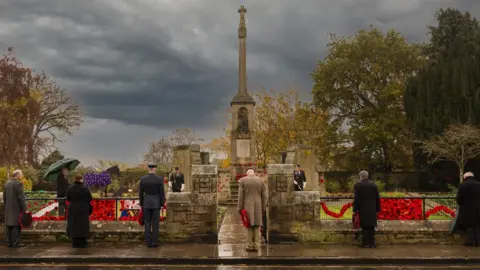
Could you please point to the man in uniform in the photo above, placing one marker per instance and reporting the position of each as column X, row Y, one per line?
column 152, row 198
column 176, row 181
column 299, row 179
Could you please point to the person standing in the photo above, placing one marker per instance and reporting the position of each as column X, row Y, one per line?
column 252, row 196
column 299, row 178
column 62, row 186
column 79, row 211
column 366, row 203
column 152, row 198
column 468, row 199
column 14, row 203
column 177, row 181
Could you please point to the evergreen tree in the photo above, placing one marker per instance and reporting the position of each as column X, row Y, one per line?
column 447, row 90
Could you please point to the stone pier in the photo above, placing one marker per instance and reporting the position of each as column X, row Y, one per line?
column 192, row 215
column 185, row 156
column 288, row 209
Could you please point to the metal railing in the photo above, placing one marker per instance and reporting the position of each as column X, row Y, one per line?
column 394, row 208
column 108, row 209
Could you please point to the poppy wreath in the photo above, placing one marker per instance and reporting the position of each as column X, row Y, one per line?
column 135, row 217
column 391, row 209
column 440, row 208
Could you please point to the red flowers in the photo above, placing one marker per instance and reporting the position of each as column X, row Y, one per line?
column 396, row 209
column 344, row 209
column 439, row 208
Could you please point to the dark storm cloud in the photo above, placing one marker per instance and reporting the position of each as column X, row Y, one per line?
column 174, row 63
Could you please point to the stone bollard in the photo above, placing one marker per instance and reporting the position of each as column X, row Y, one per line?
column 192, row 216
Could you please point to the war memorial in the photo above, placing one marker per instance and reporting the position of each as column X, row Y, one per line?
column 201, row 225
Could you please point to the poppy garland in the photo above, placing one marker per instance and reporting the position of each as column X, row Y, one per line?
column 103, row 210
column 396, row 209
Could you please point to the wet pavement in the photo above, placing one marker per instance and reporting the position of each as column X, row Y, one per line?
column 236, row 251
column 232, row 230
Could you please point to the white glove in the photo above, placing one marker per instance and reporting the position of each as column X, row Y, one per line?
column 169, row 184
column 183, row 185
column 295, row 182
column 304, row 184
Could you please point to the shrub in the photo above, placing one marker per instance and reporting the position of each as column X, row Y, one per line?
column 27, row 184
column 332, row 186
column 380, row 185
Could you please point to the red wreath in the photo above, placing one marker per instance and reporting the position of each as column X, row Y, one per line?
column 244, row 217
column 141, row 220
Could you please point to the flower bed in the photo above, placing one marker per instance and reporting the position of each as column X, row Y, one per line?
column 103, row 210
column 392, row 209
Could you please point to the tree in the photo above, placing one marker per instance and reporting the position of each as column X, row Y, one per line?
column 219, row 146
column 446, row 90
column 52, row 158
column 282, row 120
column 159, row 152
column 458, row 144
column 360, row 85
column 184, row 136
column 16, row 108
column 58, row 115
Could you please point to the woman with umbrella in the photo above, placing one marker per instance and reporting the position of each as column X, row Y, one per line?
column 79, row 210
column 59, row 171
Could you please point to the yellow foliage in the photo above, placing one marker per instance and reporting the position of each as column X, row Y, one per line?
column 27, row 184
column 225, row 163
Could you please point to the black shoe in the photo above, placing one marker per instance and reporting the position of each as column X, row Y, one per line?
column 155, row 246
column 19, row 245
column 469, row 244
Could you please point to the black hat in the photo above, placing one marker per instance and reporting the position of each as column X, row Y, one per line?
column 25, row 220
column 151, row 165
column 176, row 168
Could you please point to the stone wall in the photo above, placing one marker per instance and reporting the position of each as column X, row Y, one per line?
column 223, row 184
column 192, row 216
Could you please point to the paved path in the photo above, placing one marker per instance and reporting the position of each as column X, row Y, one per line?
column 232, row 230
column 231, row 254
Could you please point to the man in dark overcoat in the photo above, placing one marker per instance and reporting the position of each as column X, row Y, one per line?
column 177, row 181
column 468, row 199
column 152, row 198
column 366, row 202
column 79, row 211
column 299, row 179
column 14, row 203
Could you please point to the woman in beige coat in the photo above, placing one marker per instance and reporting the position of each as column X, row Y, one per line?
column 252, row 196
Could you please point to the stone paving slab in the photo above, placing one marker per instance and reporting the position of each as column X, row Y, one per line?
column 230, row 254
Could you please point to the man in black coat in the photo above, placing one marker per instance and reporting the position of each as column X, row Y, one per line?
column 152, row 198
column 366, row 202
column 177, row 181
column 468, row 199
column 79, row 211
column 299, row 178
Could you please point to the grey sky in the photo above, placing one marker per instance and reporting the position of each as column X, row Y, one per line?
column 142, row 68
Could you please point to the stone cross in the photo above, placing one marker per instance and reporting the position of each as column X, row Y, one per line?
column 242, row 29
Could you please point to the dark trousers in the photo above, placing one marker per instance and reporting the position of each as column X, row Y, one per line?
column 473, row 235
column 368, row 236
column 13, row 235
column 78, row 242
column 152, row 226
column 298, row 187
column 61, row 207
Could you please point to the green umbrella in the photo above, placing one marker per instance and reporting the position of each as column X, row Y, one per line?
column 55, row 169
